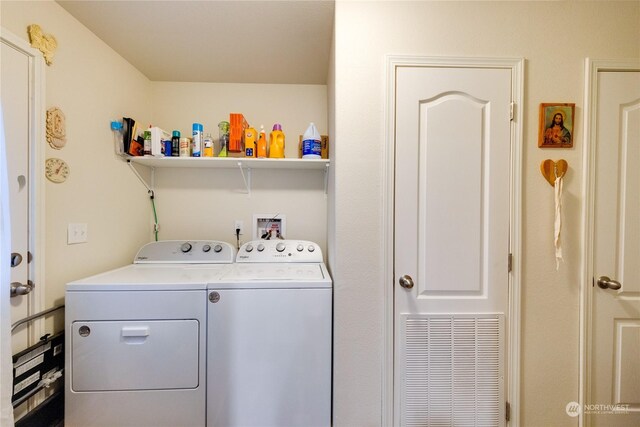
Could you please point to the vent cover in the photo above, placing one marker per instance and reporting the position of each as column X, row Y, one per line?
column 452, row 370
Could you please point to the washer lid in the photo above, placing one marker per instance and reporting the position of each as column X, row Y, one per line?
column 275, row 275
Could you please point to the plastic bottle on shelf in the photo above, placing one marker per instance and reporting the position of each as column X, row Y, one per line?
column 147, row 142
column 276, row 142
column 175, row 144
column 185, row 147
column 311, row 143
column 261, row 149
column 208, row 146
column 223, row 129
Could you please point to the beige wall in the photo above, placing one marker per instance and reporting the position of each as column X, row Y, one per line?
column 92, row 85
column 204, row 203
column 554, row 38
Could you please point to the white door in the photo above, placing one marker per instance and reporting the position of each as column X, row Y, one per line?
column 20, row 94
column 615, row 365
column 452, row 219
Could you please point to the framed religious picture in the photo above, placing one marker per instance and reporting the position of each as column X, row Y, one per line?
column 556, row 125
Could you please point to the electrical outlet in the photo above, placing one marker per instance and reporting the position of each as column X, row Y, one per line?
column 76, row 233
column 239, row 224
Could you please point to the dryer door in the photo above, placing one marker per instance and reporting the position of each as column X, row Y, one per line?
column 134, row 355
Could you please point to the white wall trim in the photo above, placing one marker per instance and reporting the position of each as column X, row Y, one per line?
column 592, row 68
column 516, row 65
column 37, row 114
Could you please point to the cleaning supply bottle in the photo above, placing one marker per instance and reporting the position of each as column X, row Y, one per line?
column 261, row 149
column 208, row 146
column 196, row 148
column 175, row 143
column 223, row 129
column 276, row 142
column 311, row 143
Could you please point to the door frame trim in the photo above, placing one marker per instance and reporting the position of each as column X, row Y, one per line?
column 592, row 68
column 37, row 217
column 516, row 65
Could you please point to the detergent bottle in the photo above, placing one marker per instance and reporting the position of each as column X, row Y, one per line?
column 261, row 149
column 311, row 143
column 276, row 142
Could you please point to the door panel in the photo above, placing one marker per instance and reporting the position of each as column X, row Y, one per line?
column 615, row 375
column 15, row 94
column 452, row 216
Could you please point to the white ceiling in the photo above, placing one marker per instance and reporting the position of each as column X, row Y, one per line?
column 216, row 41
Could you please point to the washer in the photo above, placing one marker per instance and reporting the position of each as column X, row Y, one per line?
column 269, row 338
column 136, row 338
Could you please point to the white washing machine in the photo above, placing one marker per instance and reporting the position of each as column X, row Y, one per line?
column 136, row 338
column 269, row 338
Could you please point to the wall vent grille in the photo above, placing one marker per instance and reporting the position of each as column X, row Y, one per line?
column 452, row 370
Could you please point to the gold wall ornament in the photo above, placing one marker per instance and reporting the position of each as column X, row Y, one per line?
column 56, row 128
column 45, row 43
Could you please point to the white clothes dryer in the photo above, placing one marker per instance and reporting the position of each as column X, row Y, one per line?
column 269, row 335
column 136, row 338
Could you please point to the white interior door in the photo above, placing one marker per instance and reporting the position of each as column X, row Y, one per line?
column 20, row 94
column 615, row 315
column 452, row 219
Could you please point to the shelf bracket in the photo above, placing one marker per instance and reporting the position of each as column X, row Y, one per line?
column 247, row 179
column 326, row 178
column 136, row 173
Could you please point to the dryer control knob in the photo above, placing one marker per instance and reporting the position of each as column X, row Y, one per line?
column 311, row 248
column 186, row 247
column 206, row 248
column 248, row 248
column 260, row 247
column 280, row 247
column 217, row 248
column 300, row 248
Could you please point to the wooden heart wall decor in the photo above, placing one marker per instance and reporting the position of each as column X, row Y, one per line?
column 552, row 170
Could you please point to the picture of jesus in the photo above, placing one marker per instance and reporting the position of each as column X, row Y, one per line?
column 556, row 125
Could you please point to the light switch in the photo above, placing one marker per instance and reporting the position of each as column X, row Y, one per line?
column 77, row 233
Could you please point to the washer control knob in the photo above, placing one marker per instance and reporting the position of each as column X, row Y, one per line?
column 311, row 248
column 217, row 248
column 248, row 248
column 206, row 248
column 300, row 248
column 186, row 247
column 260, row 247
column 280, row 247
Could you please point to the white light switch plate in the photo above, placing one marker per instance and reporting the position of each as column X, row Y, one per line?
column 77, row 233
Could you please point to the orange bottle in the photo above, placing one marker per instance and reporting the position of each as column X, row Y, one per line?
column 261, row 149
column 276, row 145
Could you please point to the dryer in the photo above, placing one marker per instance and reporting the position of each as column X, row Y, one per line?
column 269, row 338
column 136, row 338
